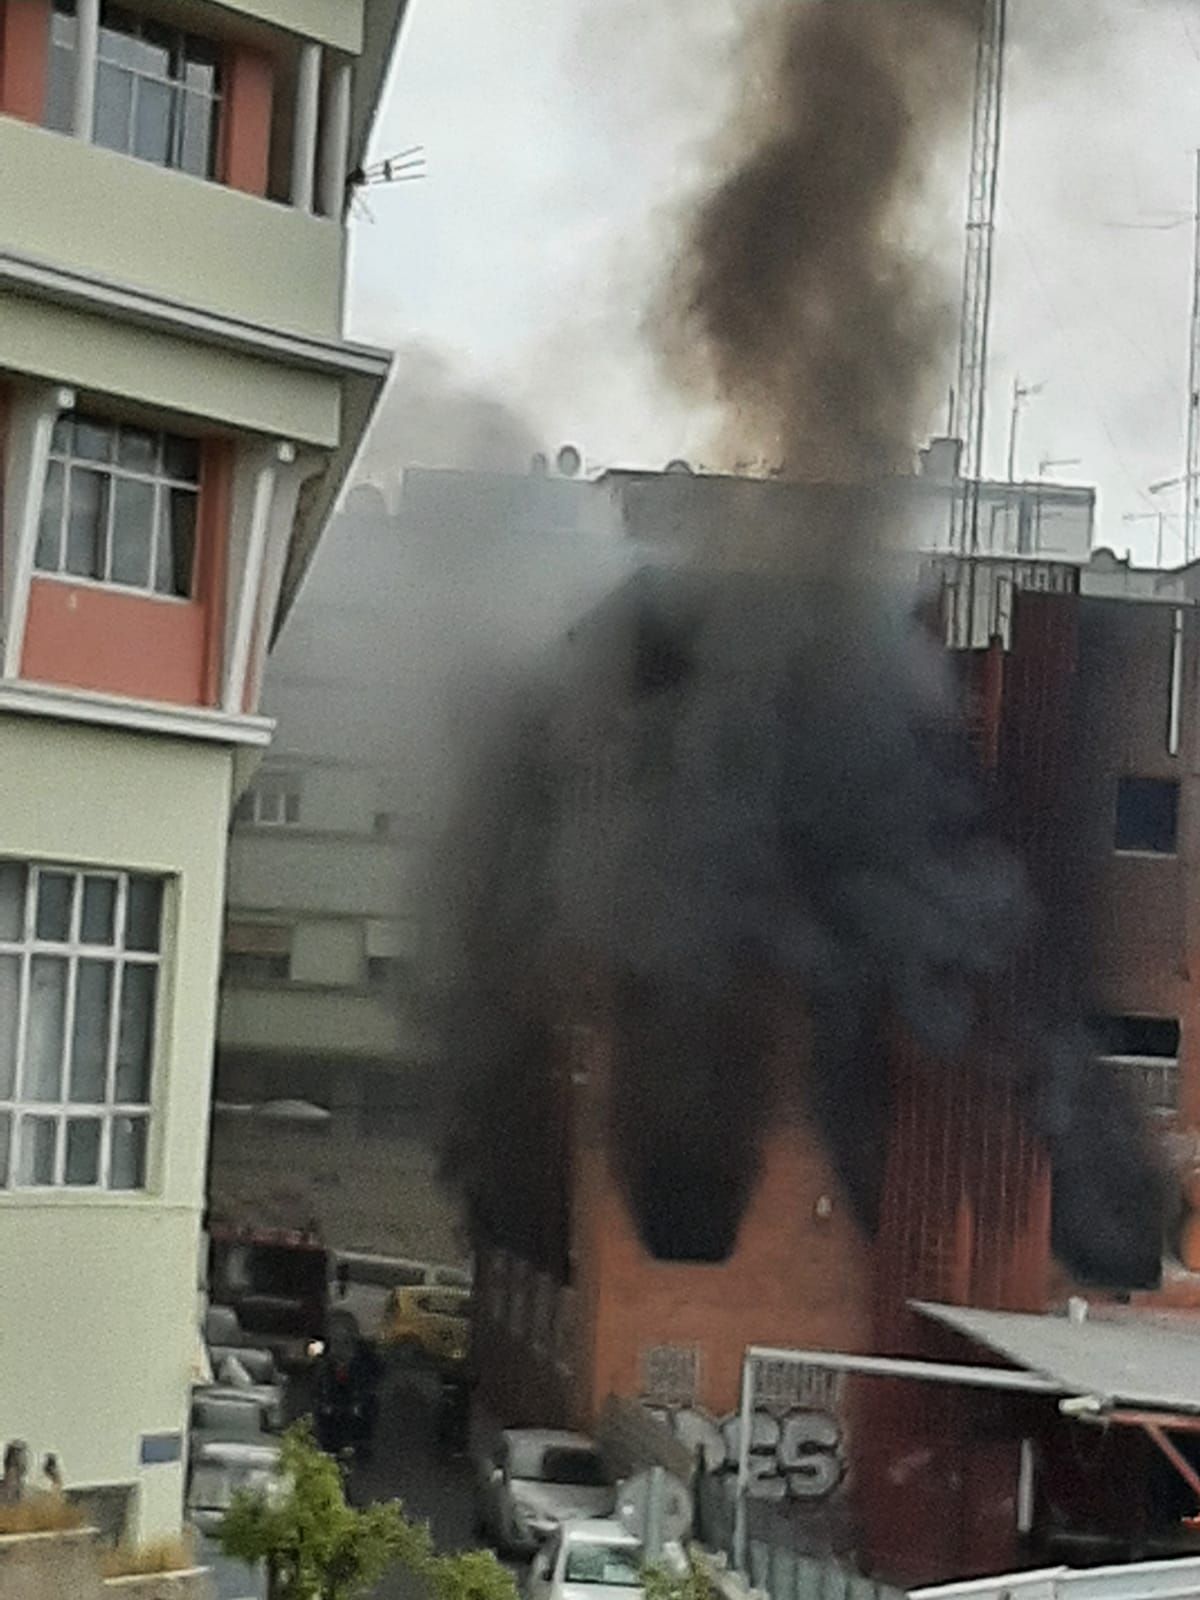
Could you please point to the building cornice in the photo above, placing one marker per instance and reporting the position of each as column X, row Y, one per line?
column 133, row 716
column 22, row 274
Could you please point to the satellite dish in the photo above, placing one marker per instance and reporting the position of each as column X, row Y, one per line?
column 569, row 461
column 633, row 1506
column 679, row 468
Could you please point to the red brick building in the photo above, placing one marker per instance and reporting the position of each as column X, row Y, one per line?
column 1086, row 733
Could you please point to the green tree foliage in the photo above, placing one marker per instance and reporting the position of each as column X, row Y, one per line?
column 694, row 1583
column 316, row 1547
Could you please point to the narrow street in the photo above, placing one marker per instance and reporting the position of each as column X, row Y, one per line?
column 410, row 1465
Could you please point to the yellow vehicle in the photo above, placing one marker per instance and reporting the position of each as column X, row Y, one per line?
column 432, row 1322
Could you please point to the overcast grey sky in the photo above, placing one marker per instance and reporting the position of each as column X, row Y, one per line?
column 560, row 135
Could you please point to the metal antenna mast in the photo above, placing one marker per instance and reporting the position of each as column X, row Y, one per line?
column 1191, row 477
column 970, row 395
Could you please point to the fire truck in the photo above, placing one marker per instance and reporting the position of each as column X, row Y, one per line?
column 278, row 1282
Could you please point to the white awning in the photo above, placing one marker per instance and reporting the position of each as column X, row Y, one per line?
column 1125, row 1360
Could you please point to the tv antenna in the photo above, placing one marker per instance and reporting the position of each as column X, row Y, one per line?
column 406, row 166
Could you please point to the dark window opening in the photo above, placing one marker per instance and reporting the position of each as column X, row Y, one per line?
column 1147, row 815
column 246, row 967
column 1156, row 1037
column 384, row 972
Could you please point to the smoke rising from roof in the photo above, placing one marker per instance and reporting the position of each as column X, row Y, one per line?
column 434, row 416
column 800, row 302
column 742, row 787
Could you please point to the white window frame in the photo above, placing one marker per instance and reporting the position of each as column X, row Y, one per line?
column 282, row 784
column 115, row 472
column 73, row 949
column 65, row 41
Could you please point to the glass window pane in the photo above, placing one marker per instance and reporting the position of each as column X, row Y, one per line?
column 196, row 141
column 5, row 1136
column 83, row 1151
column 93, row 440
column 48, row 556
column 87, row 514
column 114, row 104
column 202, row 65
column 132, row 531
column 119, row 40
column 181, row 458
column 10, row 995
column 35, row 1156
column 137, row 449
column 55, row 892
column 64, row 432
column 60, row 78
column 176, row 542
column 42, row 1076
column 244, row 810
column 157, row 49
column 144, row 913
column 127, row 1167
column 89, row 1042
column 134, row 1049
column 99, row 910
column 153, row 121
column 12, row 899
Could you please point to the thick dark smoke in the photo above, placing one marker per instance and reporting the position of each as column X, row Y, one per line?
column 799, row 298
column 751, row 783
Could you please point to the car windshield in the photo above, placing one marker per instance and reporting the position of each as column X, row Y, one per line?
column 617, row 1564
column 567, row 1464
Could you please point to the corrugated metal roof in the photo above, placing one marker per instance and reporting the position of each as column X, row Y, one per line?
column 1131, row 1362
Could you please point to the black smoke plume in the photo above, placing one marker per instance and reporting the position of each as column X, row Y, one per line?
column 753, row 780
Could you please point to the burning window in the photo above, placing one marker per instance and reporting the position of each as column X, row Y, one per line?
column 1146, row 1050
column 1147, row 815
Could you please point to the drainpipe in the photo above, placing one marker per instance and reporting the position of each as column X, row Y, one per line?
column 87, row 40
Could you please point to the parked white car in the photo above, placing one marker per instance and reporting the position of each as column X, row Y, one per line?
column 534, row 1480
column 219, row 1469
column 594, row 1560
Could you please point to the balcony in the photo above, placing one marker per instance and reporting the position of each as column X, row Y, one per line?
column 292, row 870
column 309, row 1021
column 179, row 238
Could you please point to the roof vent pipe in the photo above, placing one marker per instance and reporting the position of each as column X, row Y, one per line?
column 1077, row 1308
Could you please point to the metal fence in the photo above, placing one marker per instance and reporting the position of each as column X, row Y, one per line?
column 785, row 1576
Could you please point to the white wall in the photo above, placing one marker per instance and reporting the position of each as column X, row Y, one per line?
column 97, row 1310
